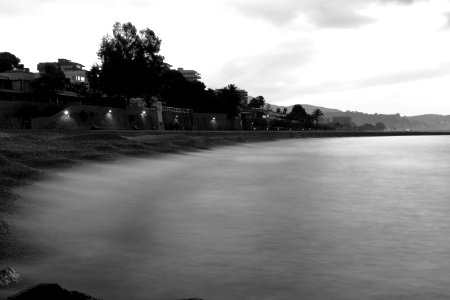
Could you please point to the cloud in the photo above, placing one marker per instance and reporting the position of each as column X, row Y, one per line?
column 334, row 15
column 399, row 1
column 32, row 7
column 407, row 76
column 257, row 72
column 321, row 13
column 447, row 18
column 389, row 79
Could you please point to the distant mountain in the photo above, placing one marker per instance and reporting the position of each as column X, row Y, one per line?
column 438, row 122
column 309, row 108
column 392, row 122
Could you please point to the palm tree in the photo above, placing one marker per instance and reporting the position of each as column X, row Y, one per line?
column 232, row 102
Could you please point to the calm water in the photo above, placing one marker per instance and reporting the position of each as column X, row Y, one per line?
column 342, row 218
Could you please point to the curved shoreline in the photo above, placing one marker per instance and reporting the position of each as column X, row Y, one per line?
column 26, row 155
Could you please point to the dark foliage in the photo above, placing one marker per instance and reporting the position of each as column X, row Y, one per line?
column 130, row 63
column 231, row 100
column 176, row 91
column 50, row 81
column 257, row 102
column 9, row 61
column 93, row 77
column 299, row 115
column 316, row 114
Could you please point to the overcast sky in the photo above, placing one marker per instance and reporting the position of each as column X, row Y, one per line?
column 384, row 56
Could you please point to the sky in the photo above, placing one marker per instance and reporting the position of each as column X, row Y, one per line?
column 373, row 56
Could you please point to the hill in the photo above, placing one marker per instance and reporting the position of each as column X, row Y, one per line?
column 391, row 121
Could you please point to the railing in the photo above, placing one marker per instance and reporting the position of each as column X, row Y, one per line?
column 177, row 110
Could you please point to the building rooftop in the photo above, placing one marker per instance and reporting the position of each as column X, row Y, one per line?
column 190, row 75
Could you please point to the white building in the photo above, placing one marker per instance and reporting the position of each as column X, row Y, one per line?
column 72, row 70
column 190, row 75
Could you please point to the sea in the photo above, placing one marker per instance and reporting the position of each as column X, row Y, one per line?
column 318, row 218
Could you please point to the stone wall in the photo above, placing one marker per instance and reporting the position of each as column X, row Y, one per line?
column 85, row 117
column 177, row 121
column 77, row 117
column 211, row 121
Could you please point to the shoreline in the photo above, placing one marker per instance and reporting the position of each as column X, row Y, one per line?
column 27, row 155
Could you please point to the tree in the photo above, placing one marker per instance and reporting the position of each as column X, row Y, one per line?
column 231, row 101
column 93, row 77
column 379, row 126
column 278, row 111
column 298, row 113
column 257, row 102
column 284, row 110
column 366, row 127
column 50, row 81
column 130, row 62
column 9, row 61
column 316, row 114
column 80, row 88
column 178, row 91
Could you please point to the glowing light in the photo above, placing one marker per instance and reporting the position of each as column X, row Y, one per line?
column 66, row 112
column 214, row 118
column 109, row 111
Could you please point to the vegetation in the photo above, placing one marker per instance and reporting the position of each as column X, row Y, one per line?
column 130, row 62
column 131, row 66
column 317, row 113
column 231, row 101
column 50, row 81
column 299, row 115
column 9, row 62
column 176, row 91
column 257, row 102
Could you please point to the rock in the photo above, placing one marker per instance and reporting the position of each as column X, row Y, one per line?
column 49, row 291
column 8, row 276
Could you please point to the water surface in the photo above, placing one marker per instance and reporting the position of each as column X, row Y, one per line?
column 335, row 218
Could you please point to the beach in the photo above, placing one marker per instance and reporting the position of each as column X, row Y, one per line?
column 154, row 201
column 26, row 156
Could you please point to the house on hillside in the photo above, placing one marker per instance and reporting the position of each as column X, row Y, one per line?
column 73, row 71
column 18, row 80
column 190, row 75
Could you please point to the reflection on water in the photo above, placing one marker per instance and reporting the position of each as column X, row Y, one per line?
column 347, row 218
